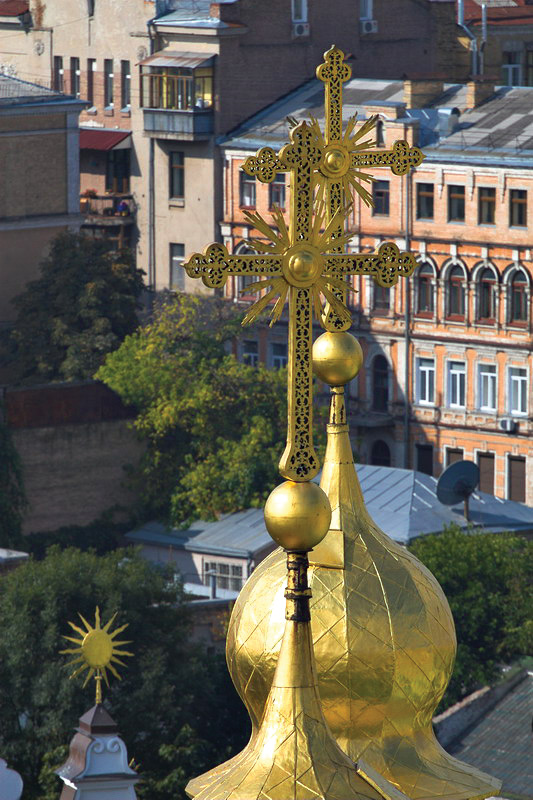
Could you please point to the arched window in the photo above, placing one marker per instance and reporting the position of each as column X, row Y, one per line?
column 518, row 298
column 456, row 293
column 380, row 454
column 487, row 295
column 380, row 384
column 380, row 137
column 425, row 296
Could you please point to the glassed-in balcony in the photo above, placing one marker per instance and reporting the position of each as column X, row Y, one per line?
column 177, row 96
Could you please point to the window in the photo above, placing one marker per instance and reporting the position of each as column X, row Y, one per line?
column 456, row 293
column 90, row 7
column 177, row 88
column 279, row 355
column 75, row 77
column 425, row 193
column 380, row 454
column 454, row 454
column 518, row 390
column 512, row 69
column 518, row 206
column 518, row 298
column 487, row 387
column 299, row 10
column 228, row 576
column 91, row 68
column 276, row 192
column 365, row 9
column 108, row 83
column 487, row 296
column 424, row 458
column 425, row 301
column 177, row 174
column 125, row 85
column 177, row 273
column 250, row 353
column 381, row 194
column 380, row 299
column 529, row 68
column 486, row 205
column 247, row 191
column 380, row 384
column 516, row 478
column 456, row 203
column 485, row 462
column 117, row 175
column 380, row 135
column 425, row 381
column 58, row 74
column 456, row 384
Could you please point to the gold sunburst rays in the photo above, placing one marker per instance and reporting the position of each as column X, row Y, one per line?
column 321, row 237
column 97, row 651
column 336, row 165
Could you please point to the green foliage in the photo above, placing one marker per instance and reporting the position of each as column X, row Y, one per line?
column 175, row 706
column 487, row 580
column 103, row 535
column 216, row 428
column 12, row 497
column 81, row 307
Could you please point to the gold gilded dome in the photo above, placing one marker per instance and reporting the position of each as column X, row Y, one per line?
column 384, row 640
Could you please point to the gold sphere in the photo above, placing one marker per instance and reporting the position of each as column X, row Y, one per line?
column 302, row 265
column 335, row 160
column 337, row 357
column 297, row 515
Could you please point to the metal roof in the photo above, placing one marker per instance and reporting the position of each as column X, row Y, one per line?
column 500, row 743
column 168, row 58
column 14, row 91
column 13, row 8
column 402, row 502
column 101, row 139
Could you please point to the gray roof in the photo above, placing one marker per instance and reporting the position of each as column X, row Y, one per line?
column 14, row 91
column 10, row 556
column 192, row 14
column 402, row 502
column 503, row 124
column 500, row 743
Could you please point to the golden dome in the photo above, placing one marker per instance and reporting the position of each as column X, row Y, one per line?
column 384, row 641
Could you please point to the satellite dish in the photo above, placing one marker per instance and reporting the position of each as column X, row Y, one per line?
column 457, row 483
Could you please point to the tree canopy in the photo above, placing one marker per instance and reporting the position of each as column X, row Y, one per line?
column 12, row 495
column 487, row 580
column 175, row 706
column 215, row 427
column 81, row 307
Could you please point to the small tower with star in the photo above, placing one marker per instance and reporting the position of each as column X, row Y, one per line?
column 97, row 767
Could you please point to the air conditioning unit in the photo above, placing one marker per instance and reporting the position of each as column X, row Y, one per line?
column 369, row 26
column 508, row 425
column 300, row 29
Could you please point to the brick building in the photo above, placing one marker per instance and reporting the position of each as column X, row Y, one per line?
column 454, row 340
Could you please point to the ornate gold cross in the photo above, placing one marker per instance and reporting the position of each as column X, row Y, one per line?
column 303, row 261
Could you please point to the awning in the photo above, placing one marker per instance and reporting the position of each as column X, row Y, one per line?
column 167, row 58
column 98, row 139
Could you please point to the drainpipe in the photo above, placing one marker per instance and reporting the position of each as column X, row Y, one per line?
column 473, row 40
column 151, row 189
column 484, row 31
column 407, row 289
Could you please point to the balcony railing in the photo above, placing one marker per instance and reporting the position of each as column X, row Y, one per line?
column 190, row 125
column 110, row 209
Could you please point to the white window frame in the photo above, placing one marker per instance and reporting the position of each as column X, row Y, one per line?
column 520, row 379
column 299, row 10
column 488, row 375
column 176, row 268
column 365, row 10
column 424, row 383
column 278, row 361
column 451, row 379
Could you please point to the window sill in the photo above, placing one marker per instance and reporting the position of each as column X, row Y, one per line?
column 456, row 222
column 381, row 214
column 109, row 111
column 424, row 315
column 92, row 111
column 176, row 202
column 518, row 227
column 519, row 326
column 425, row 219
column 486, row 224
column 452, row 319
column 247, row 208
column 485, row 323
column 274, row 208
column 456, row 408
column 125, row 112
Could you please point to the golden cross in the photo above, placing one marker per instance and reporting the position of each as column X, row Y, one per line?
column 298, row 261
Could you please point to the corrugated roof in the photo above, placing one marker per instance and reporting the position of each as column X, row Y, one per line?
column 500, row 743
column 169, row 58
column 402, row 502
column 100, row 139
column 13, row 8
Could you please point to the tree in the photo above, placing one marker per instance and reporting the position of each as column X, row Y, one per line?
column 175, row 706
column 80, row 308
column 487, row 580
column 12, row 496
column 215, row 427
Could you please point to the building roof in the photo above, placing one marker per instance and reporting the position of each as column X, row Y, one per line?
column 194, row 14
column 13, row 8
column 500, row 13
column 101, row 139
column 402, row 502
column 168, row 58
column 14, row 91
column 500, row 743
column 11, row 556
column 502, row 125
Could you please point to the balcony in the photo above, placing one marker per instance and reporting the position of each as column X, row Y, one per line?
column 189, row 125
column 108, row 209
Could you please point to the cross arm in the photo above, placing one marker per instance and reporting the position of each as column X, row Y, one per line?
column 216, row 264
column 385, row 266
column 401, row 158
column 264, row 166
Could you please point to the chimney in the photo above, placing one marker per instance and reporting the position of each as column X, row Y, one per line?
column 421, row 92
column 478, row 89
